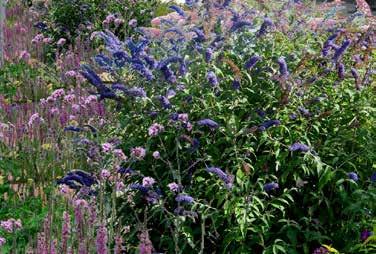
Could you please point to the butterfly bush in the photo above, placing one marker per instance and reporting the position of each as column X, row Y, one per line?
column 223, row 84
column 238, row 129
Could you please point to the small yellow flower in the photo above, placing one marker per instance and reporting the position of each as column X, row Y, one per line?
column 73, row 123
column 1, row 180
column 106, row 77
column 46, row 146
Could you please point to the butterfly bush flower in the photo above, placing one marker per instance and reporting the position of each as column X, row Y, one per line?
column 174, row 187
column 283, row 70
column 156, row 155
column 353, row 176
column 165, row 102
column 299, row 147
column 209, row 54
column 341, row 50
column 227, row 179
column 183, row 198
column 155, row 129
column 24, row 55
column 138, row 153
column 148, row 182
column 252, row 62
column 341, row 71
column 269, row 123
column 107, row 147
column 264, row 27
column 271, row 186
column 212, row 78
column 208, row 123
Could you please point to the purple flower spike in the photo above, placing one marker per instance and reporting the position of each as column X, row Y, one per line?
column 341, row 71
column 283, row 70
column 212, row 78
column 227, row 179
column 182, row 198
column 209, row 123
column 339, row 52
column 271, row 186
column 353, row 176
column 252, row 62
column 264, row 27
column 299, row 147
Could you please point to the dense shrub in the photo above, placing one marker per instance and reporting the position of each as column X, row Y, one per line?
column 245, row 134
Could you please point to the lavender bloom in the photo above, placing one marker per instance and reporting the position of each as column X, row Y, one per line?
column 65, row 232
column 283, row 70
column 239, row 24
column 353, row 176
column 339, row 52
column 252, row 62
column 179, row 10
column 264, row 27
column 267, row 124
column 212, row 78
column 365, row 234
column 209, row 123
column 299, row 147
column 165, row 102
column 341, row 71
column 101, row 240
column 271, row 186
column 182, row 198
column 208, row 55
column 227, row 179
column 320, row 250
column 261, row 113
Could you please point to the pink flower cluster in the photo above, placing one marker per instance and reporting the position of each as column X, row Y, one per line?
column 11, row 225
